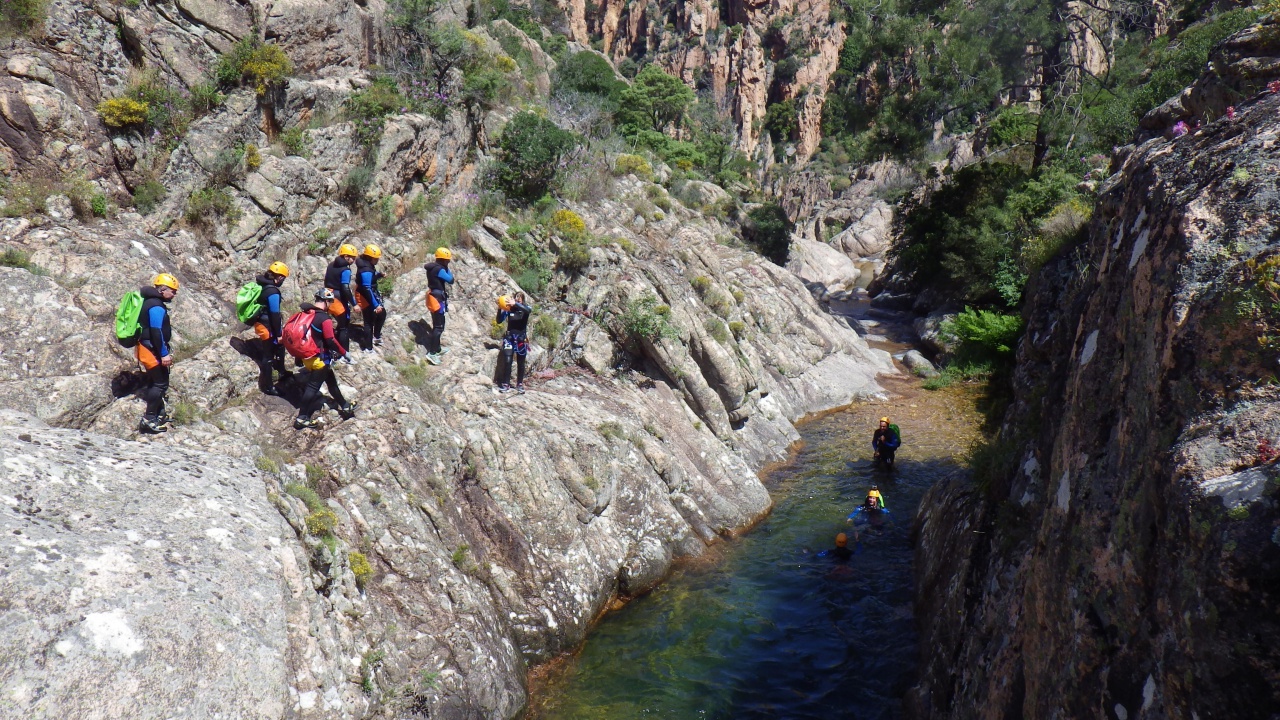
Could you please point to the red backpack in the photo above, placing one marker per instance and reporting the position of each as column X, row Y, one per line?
column 297, row 337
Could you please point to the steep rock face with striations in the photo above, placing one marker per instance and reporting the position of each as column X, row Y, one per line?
column 747, row 54
column 1121, row 559
column 425, row 554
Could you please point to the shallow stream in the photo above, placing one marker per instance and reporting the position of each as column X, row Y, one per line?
column 766, row 627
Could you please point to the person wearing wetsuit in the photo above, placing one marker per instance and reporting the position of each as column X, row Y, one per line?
column 320, row 367
column 368, row 298
column 438, row 279
column 153, row 350
column 337, row 277
column 268, row 326
column 515, row 342
column 885, row 442
column 841, row 552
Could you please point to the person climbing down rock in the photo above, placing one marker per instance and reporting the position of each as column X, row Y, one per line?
column 153, row 350
column 513, row 311
column 885, row 442
column 841, row 551
column 337, row 277
column 309, row 336
column 439, row 277
column 368, row 298
column 258, row 303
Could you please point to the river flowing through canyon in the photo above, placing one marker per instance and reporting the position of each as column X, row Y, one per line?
column 766, row 626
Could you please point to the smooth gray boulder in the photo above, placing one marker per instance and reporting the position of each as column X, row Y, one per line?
column 139, row 580
column 917, row 363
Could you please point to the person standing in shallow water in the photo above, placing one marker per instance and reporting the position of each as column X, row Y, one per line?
column 885, row 442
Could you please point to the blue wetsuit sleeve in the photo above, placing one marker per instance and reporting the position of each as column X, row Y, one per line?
column 347, row 299
column 275, row 322
column 370, row 289
column 502, row 316
column 445, row 275
column 155, row 319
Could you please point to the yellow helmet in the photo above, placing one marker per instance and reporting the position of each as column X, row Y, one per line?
column 166, row 280
column 444, row 253
column 504, row 302
column 373, row 251
column 279, row 268
column 349, row 250
column 884, row 419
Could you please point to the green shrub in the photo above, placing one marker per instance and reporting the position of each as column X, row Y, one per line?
column 205, row 98
column 185, row 413
column 701, row 284
column 645, row 319
column 321, row 522
column 654, row 101
column 355, row 185
column 296, row 142
column 568, row 224
column 738, row 328
column 718, row 303
column 574, row 255
column 98, row 205
column 360, row 567
column 529, row 153
column 206, row 206
column 315, row 474
column 768, row 230
column 587, row 72
column 148, row 195
column 254, row 63
column 21, row 17
column 633, row 165
column 548, row 330
column 308, row 496
column 23, row 199
column 15, row 258
column 984, row 336
column 266, row 464
column 369, row 108
column 413, row 375
column 716, row 329
column 252, row 157
column 459, row 556
column 369, row 664
column 122, row 112
column 526, row 265
column 611, row 430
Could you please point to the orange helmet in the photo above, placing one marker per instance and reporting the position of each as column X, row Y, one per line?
column 504, row 302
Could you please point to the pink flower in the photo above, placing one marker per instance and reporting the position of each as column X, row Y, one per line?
column 1180, row 128
column 1231, row 112
column 1274, row 86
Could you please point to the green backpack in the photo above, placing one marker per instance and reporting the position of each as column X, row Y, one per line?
column 248, row 306
column 127, row 325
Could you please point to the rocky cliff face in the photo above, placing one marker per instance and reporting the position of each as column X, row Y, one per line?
column 413, row 561
column 1119, row 555
column 731, row 48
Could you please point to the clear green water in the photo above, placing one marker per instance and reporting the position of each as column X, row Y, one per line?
column 773, row 629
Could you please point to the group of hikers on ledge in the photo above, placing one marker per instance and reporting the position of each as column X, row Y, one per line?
column 317, row 336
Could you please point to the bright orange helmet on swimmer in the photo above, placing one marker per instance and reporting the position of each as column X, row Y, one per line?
column 842, row 540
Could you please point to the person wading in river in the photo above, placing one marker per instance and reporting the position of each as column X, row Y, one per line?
column 885, row 442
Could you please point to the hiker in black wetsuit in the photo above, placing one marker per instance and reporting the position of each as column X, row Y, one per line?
column 367, row 296
column 841, row 552
column 439, row 277
column 153, row 350
column 320, row 366
column 337, row 277
column 514, row 311
column 268, row 325
column 885, row 442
